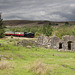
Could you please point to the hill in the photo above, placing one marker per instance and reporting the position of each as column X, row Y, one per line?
column 22, row 23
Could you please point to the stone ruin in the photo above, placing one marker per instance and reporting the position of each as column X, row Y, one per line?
column 43, row 40
column 66, row 43
column 27, row 43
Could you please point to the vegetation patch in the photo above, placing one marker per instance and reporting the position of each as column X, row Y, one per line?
column 50, row 61
column 67, row 66
column 39, row 68
column 5, row 65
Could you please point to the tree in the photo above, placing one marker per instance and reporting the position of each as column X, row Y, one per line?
column 47, row 30
column 66, row 23
column 1, row 27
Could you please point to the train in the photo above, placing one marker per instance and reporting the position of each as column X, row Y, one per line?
column 19, row 34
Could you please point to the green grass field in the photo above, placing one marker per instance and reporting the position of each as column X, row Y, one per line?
column 28, row 61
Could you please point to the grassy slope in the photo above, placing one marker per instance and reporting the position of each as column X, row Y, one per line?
column 61, row 63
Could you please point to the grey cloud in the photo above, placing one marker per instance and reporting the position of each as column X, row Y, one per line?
column 53, row 10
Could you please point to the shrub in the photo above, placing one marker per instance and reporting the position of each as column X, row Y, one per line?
column 73, row 31
column 64, row 31
column 47, row 30
column 11, row 40
column 66, row 23
column 11, row 37
column 37, row 34
column 33, row 30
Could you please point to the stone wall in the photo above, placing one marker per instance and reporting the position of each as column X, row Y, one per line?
column 66, row 43
column 43, row 40
column 53, row 42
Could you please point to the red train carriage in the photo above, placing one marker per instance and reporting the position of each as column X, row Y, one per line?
column 9, row 33
column 19, row 34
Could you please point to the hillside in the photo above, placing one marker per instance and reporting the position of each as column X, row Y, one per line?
column 22, row 23
column 18, row 60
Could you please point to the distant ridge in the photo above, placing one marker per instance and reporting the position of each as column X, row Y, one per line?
column 31, row 23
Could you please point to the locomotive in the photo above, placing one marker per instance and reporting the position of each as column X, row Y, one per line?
column 19, row 34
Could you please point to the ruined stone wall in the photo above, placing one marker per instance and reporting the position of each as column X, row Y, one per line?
column 53, row 42
column 43, row 40
column 66, row 43
column 66, row 39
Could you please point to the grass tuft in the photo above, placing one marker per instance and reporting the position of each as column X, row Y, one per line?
column 39, row 68
column 5, row 65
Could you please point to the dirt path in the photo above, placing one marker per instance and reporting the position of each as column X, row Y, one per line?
column 21, row 38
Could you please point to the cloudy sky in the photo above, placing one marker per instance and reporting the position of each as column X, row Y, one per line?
column 52, row 10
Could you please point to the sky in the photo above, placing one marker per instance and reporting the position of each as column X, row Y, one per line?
column 52, row 10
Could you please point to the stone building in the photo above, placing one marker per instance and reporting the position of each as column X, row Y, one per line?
column 66, row 43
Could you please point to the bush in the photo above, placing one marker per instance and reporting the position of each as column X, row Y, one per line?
column 73, row 31
column 11, row 37
column 33, row 30
column 1, row 33
column 64, row 31
column 47, row 30
column 66, row 23
column 37, row 34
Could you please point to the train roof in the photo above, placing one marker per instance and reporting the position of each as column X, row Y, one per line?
column 8, row 31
